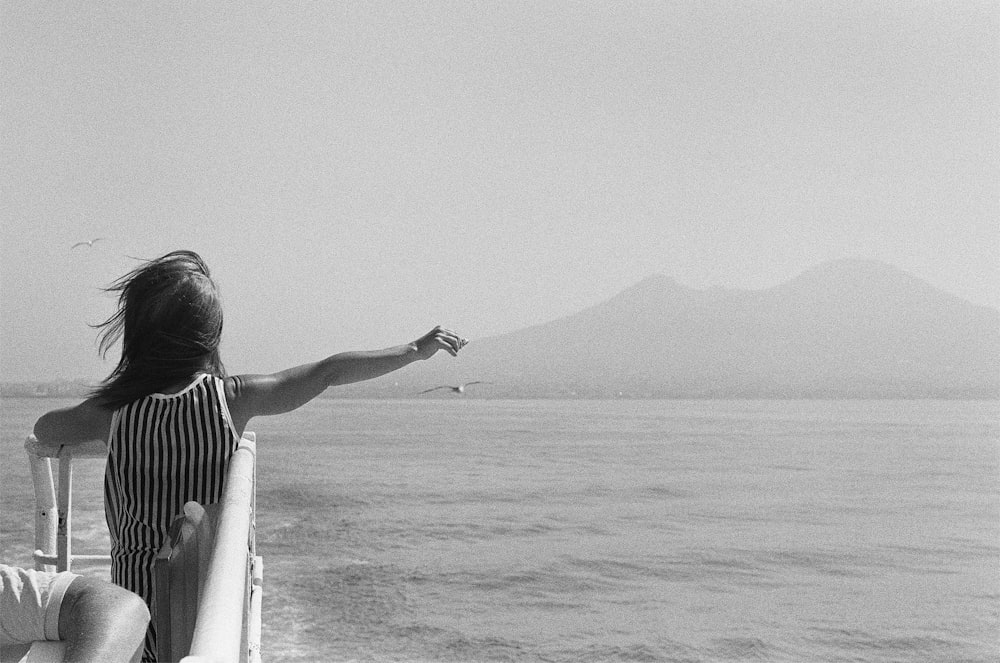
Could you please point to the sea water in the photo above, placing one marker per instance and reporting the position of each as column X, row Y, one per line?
column 478, row 530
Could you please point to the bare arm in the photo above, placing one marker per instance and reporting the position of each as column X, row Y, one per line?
column 73, row 425
column 101, row 622
column 289, row 389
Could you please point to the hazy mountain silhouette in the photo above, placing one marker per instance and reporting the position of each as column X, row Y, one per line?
column 848, row 328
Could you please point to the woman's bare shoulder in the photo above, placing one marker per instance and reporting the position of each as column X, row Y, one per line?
column 88, row 420
column 241, row 390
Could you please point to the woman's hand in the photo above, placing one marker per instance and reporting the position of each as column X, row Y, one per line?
column 439, row 339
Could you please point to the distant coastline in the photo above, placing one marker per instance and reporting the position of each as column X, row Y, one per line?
column 80, row 389
column 51, row 389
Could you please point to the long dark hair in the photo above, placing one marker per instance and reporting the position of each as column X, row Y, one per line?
column 169, row 319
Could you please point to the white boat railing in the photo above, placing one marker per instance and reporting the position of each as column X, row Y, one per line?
column 54, row 503
column 228, row 611
column 218, row 583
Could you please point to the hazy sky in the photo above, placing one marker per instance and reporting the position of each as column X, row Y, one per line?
column 356, row 172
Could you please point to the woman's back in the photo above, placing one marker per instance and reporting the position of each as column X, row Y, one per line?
column 164, row 450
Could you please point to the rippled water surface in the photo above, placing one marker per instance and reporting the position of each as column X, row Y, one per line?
column 477, row 530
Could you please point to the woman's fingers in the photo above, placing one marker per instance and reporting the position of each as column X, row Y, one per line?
column 451, row 341
column 455, row 341
column 447, row 340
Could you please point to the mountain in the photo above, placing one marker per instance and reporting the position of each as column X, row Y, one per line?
column 848, row 328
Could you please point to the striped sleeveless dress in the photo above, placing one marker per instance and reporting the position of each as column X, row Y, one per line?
column 164, row 450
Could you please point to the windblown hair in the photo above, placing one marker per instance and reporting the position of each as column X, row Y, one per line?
column 169, row 319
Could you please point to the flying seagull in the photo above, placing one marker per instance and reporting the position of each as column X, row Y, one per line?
column 90, row 243
column 460, row 389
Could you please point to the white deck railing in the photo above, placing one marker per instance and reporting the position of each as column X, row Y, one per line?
column 54, row 502
column 228, row 610
column 225, row 598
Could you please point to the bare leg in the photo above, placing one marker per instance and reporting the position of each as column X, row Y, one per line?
column 102, row 622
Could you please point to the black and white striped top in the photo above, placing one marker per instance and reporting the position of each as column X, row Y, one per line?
column 164, row 450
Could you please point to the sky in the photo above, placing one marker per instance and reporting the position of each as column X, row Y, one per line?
column 355, row 173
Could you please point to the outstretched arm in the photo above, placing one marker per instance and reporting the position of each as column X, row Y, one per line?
column 101, row 622
column 287, row 390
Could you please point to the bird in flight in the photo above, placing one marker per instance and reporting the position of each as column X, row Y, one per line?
column 90, row 243
column 460, row 389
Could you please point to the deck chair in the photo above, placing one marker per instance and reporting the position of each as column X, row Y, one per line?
column 54, row 503
column 203, row 541
column 179, row 573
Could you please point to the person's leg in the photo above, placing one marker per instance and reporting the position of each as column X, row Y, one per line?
column 102, row 622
